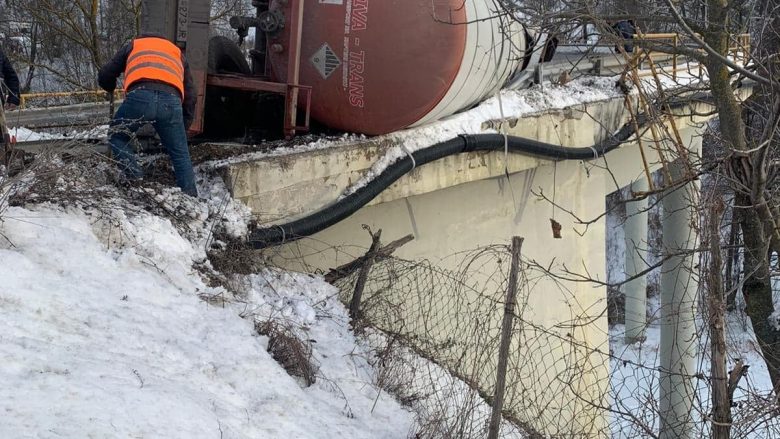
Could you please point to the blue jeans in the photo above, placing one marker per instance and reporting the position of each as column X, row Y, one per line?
column 163, row 110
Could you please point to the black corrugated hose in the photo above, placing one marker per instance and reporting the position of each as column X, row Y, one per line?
column 339, row 210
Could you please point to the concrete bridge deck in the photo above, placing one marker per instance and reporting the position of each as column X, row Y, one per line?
column 467, row 201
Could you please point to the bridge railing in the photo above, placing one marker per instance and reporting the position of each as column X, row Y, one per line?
column 739, row 50
column 68, row 96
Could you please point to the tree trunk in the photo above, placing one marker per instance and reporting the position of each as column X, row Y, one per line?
column 756, row 233
column 721, row 406
column 757, row 290
column 732, row 256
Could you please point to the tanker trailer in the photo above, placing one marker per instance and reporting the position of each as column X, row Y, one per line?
column 377, row 66
column 363, row 66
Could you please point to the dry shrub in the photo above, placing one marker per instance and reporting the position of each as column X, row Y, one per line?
column 235, row 256
column 219, row 299
column 444, row 406
column 77, row 178
column 292, row 352
column 457, row 416
column 395, row 374
column 616, row 306
column 73, row 174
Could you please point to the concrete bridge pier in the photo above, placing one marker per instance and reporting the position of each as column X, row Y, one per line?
column 678, row 308
column 635, row 291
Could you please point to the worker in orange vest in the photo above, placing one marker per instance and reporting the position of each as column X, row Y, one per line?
column 160, row 91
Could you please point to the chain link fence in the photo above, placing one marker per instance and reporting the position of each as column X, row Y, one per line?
column 555, row 381
column 562, row 380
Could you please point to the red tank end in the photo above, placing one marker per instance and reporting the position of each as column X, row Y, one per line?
column 375, row 66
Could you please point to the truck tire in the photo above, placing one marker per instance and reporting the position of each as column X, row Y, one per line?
column 226, row 57
column 227, row 112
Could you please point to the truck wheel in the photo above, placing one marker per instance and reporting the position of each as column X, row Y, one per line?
column 226, row 57
column 227, row 111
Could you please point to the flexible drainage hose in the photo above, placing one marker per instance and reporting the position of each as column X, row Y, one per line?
column 338, row 211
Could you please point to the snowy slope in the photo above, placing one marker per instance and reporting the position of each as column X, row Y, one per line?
column 104, row 335
column 634, row 383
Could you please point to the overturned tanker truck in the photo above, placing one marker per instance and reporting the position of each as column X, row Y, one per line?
column 362, row 66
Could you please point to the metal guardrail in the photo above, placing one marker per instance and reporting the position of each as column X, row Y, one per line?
column 64, row 116
column 99, row 95
column 740, row 50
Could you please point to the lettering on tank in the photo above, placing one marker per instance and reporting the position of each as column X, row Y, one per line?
column 356, row 79
column 182, row 21
column 353, row 80
column 359, row 20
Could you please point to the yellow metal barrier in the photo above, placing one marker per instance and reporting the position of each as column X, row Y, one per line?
column 740, row 51
column 118, row 94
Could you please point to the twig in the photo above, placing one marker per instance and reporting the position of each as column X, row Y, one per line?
column 140, row 379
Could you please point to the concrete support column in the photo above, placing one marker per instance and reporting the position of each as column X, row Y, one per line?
column 635, row 229
column 678, row 309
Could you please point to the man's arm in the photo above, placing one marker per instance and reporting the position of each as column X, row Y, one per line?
column 190, row 96
column 111, row 71
column 11, row 80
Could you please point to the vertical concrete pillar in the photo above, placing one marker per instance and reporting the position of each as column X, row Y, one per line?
column 635, row 229
column 678, row 309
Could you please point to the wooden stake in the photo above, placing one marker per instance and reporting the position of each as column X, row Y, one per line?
column 506, row 338
column 357, row 296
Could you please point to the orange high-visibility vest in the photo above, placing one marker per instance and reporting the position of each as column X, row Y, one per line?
column 155, row 59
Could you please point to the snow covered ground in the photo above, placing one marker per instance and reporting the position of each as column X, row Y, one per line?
column 635, row 376
column 109, row 328
column 105, row 332
column 22, row 134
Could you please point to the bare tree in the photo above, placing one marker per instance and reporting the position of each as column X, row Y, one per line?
column 77, row 38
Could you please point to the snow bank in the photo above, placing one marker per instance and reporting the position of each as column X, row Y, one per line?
column 104, row 335
column 23, row 134
column 321, row 142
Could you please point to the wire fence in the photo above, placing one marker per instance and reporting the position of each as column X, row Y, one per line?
column 555, row 379
column 563, row 380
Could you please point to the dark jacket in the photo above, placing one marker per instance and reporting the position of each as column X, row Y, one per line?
column 625, row 29
column 10, row 79
column 110, row 72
